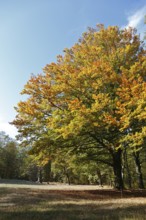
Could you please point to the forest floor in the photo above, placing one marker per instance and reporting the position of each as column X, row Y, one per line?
column 27, row 201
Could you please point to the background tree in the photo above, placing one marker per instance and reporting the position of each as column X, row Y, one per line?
column 9, row 162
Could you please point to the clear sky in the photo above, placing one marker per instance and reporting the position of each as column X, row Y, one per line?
column 34, row 32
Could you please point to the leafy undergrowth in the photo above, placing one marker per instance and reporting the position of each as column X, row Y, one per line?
column 37, row 204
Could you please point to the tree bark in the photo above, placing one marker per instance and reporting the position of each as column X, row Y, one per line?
column 138, row 170
column 68, row 178
column 99, row 176
column 126, row 167
column 40, row 179
column 117, row 166
column 47, row 172
column 67, row 175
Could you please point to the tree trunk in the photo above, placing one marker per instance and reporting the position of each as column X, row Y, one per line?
column 47, row 172
column 40, row 179
column 126, row 167
column 138, row 170
column 117, row 166
column 67, row 175
column 99, row 176
column 68, row 178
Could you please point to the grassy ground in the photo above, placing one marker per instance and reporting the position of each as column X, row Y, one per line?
column 68, row 203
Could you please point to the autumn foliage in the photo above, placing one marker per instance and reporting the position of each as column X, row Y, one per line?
column 92, row 99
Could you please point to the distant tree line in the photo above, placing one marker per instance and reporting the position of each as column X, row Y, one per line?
column 17, row 163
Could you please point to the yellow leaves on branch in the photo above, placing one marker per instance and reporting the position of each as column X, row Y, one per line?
column 135, row 139
column 74, row 104
column 98, row 83
column 100, row 102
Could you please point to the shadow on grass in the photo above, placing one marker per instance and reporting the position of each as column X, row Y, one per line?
column 28, row 204
column 76, row 212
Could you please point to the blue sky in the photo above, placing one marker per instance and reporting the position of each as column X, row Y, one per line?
column 34, row 32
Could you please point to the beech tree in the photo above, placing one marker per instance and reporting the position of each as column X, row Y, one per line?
column 92, row 99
